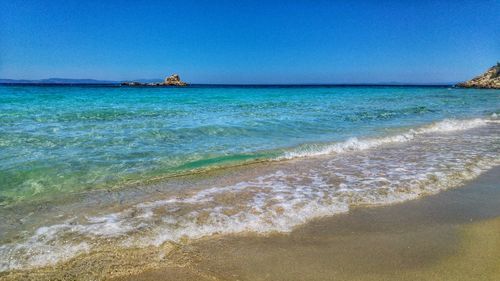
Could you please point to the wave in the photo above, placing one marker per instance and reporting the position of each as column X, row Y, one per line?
column 314, row 149
column 153, row 165
column 281, row 198
column 354, row 144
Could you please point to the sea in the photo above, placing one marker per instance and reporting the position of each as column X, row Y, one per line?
column 85, row 167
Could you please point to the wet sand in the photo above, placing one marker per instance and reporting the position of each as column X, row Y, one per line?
column 454, row 235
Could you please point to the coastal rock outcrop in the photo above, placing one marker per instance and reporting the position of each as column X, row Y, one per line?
column 172, row 80
column 488, row 80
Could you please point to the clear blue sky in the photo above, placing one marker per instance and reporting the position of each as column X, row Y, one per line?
column 294, row 41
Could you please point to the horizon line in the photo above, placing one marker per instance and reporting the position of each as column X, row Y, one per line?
column 93, row 81
column 117, row 84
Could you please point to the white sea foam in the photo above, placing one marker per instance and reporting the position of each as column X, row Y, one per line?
column 353, row 144
column 284, row 197
column 39, row 250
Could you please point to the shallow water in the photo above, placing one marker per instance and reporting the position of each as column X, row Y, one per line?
column 66, row 139
column 317, row 151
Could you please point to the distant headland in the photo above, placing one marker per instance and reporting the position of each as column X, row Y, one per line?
column 488, row 80
column 172, row 80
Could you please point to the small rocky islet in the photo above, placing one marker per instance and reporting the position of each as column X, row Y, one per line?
column 488, row 80
column 172, row 80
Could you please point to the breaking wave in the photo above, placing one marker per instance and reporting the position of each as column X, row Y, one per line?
column 353, row 144
column 442, row 155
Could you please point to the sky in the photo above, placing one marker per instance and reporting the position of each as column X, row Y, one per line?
column 250, row 42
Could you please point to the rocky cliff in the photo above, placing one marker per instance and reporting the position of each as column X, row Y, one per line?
column 488, row 80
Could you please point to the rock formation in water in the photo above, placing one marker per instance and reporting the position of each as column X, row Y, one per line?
column 172, row 80
column 488, row 80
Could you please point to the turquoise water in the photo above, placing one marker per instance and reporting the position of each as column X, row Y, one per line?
column 111, row 153
column 67, row 139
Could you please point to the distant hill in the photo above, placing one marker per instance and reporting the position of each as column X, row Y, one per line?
column 71, row 81
column 57, row 81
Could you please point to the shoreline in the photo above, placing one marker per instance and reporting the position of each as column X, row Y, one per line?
column 144, row 227
column 147, row 229
column 433, row 237
column 452, row 235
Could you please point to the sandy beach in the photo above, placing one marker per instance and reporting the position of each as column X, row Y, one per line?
column 454, row 235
